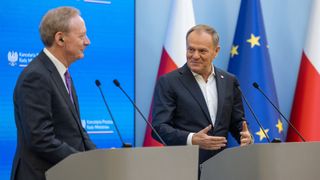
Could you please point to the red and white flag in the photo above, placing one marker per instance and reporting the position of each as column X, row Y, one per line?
column 305, row 113
column 174, row 49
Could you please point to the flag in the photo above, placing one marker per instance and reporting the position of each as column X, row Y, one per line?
column 250, row 62
column 174, row 49
column 305, row 114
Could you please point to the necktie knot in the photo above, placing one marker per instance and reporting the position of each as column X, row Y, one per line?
column 67, row 75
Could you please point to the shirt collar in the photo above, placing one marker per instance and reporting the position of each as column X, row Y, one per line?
column 60, row 67
column 211, row 74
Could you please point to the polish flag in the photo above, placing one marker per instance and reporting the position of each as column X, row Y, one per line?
column 305, row 113
column 174, row 50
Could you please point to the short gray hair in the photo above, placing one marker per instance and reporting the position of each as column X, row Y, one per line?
column 205, row 28
column 56, row 20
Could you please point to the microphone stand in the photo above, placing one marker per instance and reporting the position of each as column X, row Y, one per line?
column 124, row 145
column 256, row 85
column 116, row 82
column 254, row 115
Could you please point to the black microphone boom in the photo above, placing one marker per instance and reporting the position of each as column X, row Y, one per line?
column 114, row 122
column 256, row 85
column 254, row 115
column 116, row 82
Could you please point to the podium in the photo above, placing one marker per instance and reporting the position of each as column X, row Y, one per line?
column 279, row 161
column 156, row 163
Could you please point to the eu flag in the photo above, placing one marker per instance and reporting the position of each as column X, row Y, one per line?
column 250, row 62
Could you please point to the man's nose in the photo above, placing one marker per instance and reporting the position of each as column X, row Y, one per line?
column 87, row 41
column 196, row 55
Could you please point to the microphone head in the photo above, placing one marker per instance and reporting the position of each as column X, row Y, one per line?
column 256, row 85
column 116, row 82
column 97, row 82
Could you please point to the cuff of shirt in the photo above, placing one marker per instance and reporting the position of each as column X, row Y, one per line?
column 189, row 139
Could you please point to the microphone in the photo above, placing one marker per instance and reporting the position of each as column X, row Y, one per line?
column 116, row 82
column 254, row 115
column 125, row 145
column 256, row 85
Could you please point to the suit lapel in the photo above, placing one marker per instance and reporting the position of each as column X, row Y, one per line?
column 220, row 90
column 190, row 83
column 60, row 85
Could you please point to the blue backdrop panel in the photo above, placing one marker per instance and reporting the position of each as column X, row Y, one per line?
column 110, row 27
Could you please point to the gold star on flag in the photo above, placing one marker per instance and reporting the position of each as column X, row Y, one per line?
column 254, row 40
column 279, row 126
column 234, row 51
column 261, row 134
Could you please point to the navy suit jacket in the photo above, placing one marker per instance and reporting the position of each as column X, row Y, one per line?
column 48, row 123
column 180, row 108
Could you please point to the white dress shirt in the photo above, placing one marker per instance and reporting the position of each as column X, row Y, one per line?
column 210, row 94
column 60, row 67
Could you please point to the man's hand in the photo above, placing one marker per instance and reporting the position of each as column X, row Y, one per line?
column 245, row 135
column 208, row 142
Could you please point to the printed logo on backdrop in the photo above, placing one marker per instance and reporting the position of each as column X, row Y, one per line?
column 100, row 126
column 12, row 58
column 20, row 59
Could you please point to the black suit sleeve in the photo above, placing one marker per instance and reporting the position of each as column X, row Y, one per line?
column 164, row 106
column 35, row 113
column 87, row 141
column 237, row 112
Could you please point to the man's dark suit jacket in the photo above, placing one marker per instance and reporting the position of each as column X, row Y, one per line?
column 48, row 123
column 180, row 108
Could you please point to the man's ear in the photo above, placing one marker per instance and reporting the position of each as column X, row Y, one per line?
column 59, row 38
column 217, row 49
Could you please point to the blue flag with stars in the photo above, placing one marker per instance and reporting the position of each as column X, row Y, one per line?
column 250, row 62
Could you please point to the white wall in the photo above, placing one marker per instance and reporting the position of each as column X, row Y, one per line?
column 285, row 22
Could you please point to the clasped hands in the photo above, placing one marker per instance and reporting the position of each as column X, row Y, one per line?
column 207, row 142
